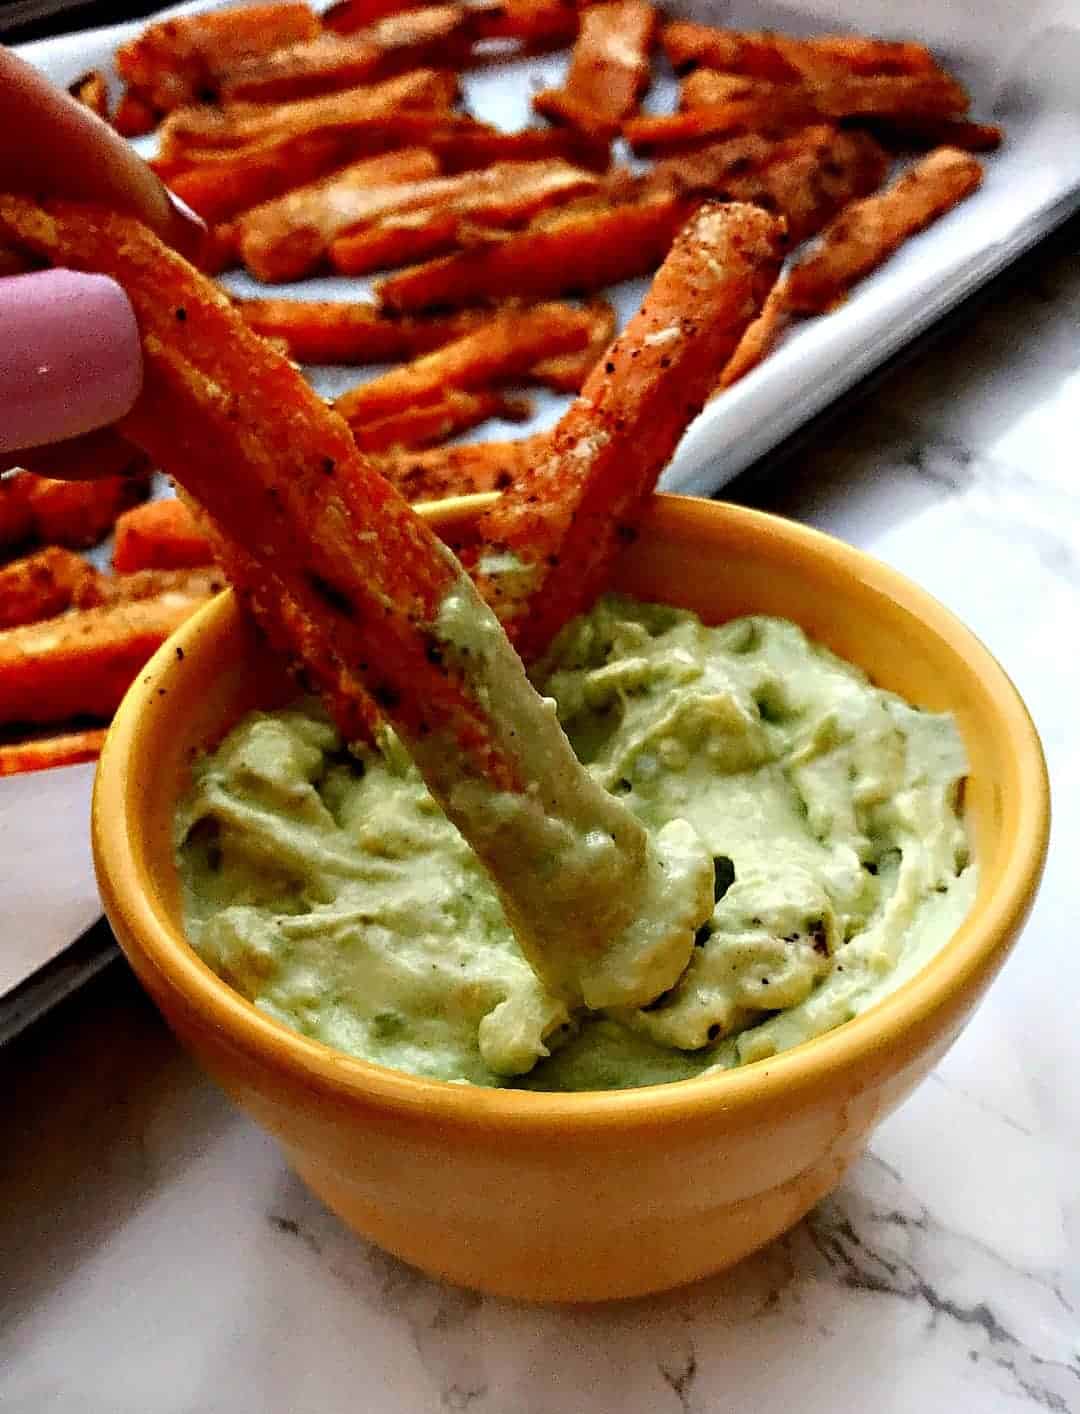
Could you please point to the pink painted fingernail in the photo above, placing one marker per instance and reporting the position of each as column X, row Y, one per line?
column 70, row 358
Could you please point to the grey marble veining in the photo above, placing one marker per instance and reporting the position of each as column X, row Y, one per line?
column 156, row 1254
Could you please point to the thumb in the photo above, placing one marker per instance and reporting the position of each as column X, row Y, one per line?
column 70, row 358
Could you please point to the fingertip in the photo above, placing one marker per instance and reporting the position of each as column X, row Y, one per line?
column 70, row 359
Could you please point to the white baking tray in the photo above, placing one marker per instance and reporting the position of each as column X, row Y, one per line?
column 1020, row 62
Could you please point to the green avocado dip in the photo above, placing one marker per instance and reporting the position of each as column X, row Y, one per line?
column 325, row 884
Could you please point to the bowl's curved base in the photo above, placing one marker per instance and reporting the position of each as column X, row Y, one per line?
column 638, row 1261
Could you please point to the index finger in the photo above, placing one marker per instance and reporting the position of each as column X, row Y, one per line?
column 63, row 149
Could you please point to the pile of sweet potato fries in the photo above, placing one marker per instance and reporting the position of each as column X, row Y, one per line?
column 338, row 143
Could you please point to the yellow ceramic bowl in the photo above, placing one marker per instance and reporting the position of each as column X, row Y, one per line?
column 580, row 1197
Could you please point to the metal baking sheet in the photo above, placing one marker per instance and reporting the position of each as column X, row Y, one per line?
column 1020, row 64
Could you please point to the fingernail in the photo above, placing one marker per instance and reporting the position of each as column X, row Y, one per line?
column 187, row 232
column 70, row 357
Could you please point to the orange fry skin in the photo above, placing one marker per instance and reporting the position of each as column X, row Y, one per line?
column 575, row 249
column 609, row 69
column 565, row 518
column 287, row 238
column 811, row 176
column 783, row 59
column 917, row 96
column 234, row 181
column 535, row 24
column 354, row 112
column 424, row 425
column 348, row 16
column 759, row 340
column 505, row 195
column 461, row 469
column 709, row 88
column 659, row 134
column 42, row 585
column 480, row 145
column 806, row 178
column 498, row 351
column 215, row 393
column 434, row 34
column 566, row 373
column 160, row 535
column 82, row 663
column 44, row 753
column 918, row 134
column 177, row 60
column 333, row 331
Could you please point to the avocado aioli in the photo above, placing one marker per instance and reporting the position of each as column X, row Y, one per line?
column 328, row 887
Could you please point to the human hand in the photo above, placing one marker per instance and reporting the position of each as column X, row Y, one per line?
column 70, row 359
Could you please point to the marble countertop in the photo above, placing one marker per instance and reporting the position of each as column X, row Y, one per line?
column 157, row 1256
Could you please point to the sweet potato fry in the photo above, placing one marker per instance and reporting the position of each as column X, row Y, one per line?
column 279, row 472
column 179, row 60
column 867, row 232
column 460, row 470
column 44, row 753
column 689, row 45
column 824, row 55
column 287, row 238
column 496, row 352
column 860, row 239
column 435, row 34
column 233, row 181
column 759, row 339
column 333, row 331
column 354, row 113
column 134, row 116
column 796, row 105
column 709, row 88
column 609, row 69
column 919, row 134
column 771, row 56
column 196, row 582
column 79, row 513
column 46, row 583
column 348, row 16
column 806, row 178
column 575, row 249
column 469, row 145
column 564, row 519
column 426, row 424
column 658, row 134
column 811, row 176
column 431, row 221
column 533, row 24
column 214, row 394
column 566, row 373
column 42, row 585
column 92, row 91
column 82, row 663
column 160, row 535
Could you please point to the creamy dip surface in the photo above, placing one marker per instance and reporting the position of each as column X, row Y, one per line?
column 326, row 885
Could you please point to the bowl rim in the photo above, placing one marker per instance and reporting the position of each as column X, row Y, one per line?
column 970, row 951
